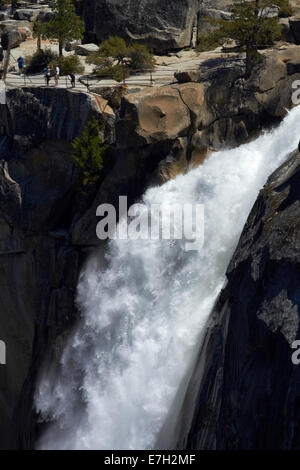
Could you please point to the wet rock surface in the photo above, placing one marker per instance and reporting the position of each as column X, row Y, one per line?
column 244, row 393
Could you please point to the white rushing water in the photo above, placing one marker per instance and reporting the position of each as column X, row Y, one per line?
column 144, row 312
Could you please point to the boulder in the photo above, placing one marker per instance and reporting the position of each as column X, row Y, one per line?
column 14, row 24
column 290, row 56
column 151, row 116
column 45, row 15
column 86, row 49
column 13, row 38
column 27, row 14
column 159, row 24
column 230, row 45
column 262, row 98
column 113, row 94
column 30, row 117
column 103, row 106
column 71, row 45
column 3, row 15
column 25, row 27
column 185, row 76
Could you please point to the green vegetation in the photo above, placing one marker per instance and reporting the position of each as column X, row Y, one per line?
column 46, row 58
column 4, row 3
column 210, row 39
column 105, row 67
column 68, row 64
column 285, row 10
column 140, row 58
column 39, row 60
column 250, row 26
column 118, row 60
column 64, row 26
column 88, row 152
column 114, row 47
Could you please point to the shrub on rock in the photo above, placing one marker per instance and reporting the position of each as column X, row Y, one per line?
column 117, row 60
column 88, row 153
column 39, row 60
column 67, row 64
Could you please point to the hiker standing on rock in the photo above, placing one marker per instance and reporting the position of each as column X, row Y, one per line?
column 20, row 61
column 56, row 76
column 47, row 75
column 72, row 78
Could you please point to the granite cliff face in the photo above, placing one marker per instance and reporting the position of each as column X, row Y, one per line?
column 159, row 24
column 39, row 267
column 244, row 393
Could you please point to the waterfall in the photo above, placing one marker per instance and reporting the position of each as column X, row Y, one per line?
column 145, row 304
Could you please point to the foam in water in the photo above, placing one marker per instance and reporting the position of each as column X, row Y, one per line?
column 145, row 310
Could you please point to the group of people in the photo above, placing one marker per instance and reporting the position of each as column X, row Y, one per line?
column 47, row 73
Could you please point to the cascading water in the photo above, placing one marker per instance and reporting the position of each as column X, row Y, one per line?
column 144, row 312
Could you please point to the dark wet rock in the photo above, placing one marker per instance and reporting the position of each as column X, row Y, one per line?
column 295, row 28
column 245, row 392
column 39, row 265
column 36, row 114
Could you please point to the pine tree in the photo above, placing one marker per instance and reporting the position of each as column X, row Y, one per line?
column 88, row 153
column 65, row 25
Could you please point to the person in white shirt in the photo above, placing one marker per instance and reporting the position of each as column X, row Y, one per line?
column 56, row 76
